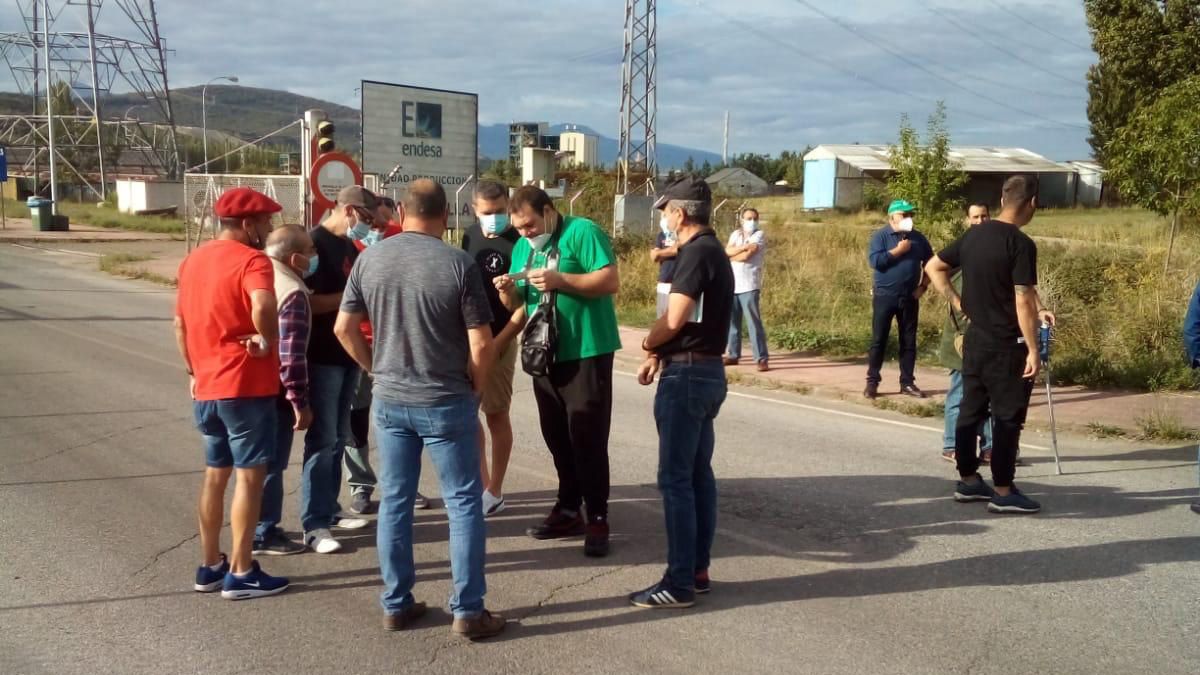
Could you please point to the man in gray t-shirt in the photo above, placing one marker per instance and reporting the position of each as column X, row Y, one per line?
column 432, row 352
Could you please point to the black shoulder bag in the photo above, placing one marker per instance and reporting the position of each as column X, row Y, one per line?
column 539, row 338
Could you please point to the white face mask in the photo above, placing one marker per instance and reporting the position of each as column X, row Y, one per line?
column 664, row 225
column 906, row 225
column 538, row 241
column 749, row 226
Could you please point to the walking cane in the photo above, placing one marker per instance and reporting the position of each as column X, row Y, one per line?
column 1044, row 354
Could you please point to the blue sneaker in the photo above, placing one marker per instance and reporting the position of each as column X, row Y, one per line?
column 1013, row 502
column 209, row 580
column 975, row 491
column 255, row 584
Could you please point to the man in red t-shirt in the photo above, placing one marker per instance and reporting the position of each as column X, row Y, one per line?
column 226, row 327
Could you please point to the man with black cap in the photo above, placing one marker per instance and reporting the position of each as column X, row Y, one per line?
column 685, row 348
column 897, row 254
column 333, row 374
column 226, row 328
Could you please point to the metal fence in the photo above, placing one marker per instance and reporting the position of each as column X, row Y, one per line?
column 201, row 192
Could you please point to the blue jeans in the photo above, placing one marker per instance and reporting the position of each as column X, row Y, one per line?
column 332, row 390
column 953, row 402
column 272, row 500
column 451, row 433
column 238, row 432
column 688, row 400
column 747, row 303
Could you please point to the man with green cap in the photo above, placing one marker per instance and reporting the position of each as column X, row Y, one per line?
column 897, row 254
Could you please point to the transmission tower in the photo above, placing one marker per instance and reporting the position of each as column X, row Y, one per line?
column 77, row 47
column 639, row 97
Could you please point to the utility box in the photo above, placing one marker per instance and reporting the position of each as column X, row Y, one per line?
column 634, row 214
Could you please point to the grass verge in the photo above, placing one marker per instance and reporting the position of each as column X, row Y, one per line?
column 125, row 265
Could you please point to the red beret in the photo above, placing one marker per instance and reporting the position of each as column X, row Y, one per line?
column 245, row 202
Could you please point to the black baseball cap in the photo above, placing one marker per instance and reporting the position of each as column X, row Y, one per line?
column 688, row 188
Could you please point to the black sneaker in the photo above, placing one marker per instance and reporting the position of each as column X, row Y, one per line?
column 361, row 503
column 595, row 539
column 662, row 596
column 277, row 543
column 703, row 583
column 975, row 491
column 421, row 502
column 557, row 526
column 1013, row 502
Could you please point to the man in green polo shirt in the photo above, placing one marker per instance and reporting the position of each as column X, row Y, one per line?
column 574, row 258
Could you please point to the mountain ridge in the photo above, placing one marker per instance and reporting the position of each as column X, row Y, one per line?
column 249, row 113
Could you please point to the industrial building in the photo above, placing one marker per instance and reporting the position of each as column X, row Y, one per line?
column 835, row 176
column 582, row 150
column 529, row 135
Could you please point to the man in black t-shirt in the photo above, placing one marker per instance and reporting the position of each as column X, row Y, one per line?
column 490, row 243
column 1000, row 352
column 333, row 374
column 687, row 344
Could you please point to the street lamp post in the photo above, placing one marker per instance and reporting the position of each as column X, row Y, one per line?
column 204, row 111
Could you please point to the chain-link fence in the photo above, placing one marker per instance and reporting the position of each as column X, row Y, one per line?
column 201, row 192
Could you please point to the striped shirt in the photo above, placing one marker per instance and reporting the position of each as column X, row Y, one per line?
column 294, row 322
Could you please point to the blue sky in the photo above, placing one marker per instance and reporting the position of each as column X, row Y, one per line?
column 791, row 72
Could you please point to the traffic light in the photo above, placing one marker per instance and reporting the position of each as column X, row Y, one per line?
column 324, row 137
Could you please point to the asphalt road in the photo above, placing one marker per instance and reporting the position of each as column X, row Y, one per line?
column 840, row 550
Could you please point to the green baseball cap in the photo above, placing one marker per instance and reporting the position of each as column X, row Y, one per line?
column 901, row 206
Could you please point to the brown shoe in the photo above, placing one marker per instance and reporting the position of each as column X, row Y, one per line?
column 557, row 525
column 762, row 366
column 595, row 541
column 729, row 361
column 483, row 626
column 406, row 617
column 872, row 391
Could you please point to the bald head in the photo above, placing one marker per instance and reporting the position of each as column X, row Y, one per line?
column 425, row 207
column 289, row 242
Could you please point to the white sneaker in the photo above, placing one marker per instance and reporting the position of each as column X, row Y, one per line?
column 492, row 504
column 350, row 523
column 322, row 541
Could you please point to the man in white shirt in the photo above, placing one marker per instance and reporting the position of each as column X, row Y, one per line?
column 746, row 249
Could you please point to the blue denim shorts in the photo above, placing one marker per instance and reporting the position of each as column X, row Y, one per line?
column 238, row 432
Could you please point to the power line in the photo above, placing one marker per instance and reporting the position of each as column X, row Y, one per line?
column 982, row 37
column 1038, row 26
column 851, row 28
column 834, row 65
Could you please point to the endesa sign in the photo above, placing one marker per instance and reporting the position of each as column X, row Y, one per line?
column 429, row 133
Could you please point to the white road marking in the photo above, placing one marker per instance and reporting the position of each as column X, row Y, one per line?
column 842, row 413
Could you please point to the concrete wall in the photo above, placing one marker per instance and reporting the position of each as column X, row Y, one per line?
column 537, row 166
column 143, row 195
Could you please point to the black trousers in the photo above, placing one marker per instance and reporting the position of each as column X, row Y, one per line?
column 575, row 407
column 992, row 380
column 905, row 310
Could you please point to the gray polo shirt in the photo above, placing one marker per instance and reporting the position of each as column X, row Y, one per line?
column 421, row 295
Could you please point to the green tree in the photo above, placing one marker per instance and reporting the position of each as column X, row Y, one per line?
column 928, row 177
column 1154, row 161
column 1143, row 47
column 689, row 167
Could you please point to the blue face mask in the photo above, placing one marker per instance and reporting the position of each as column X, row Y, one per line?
column 373, row 237
column 313, row 262
column 359, row 232
column 494, row 224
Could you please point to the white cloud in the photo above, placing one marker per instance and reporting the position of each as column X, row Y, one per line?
column 789, row 76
